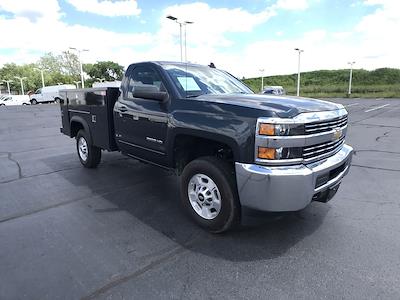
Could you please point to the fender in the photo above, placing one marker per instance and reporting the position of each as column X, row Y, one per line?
column 81, row 121
column 224, row 139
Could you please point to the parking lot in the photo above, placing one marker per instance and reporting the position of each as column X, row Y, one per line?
column 118, row 231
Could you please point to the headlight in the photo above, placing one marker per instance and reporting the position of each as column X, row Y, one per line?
column 280, row 129
column 279, row 153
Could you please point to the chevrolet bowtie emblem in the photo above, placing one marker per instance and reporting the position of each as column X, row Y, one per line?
column 337, row 134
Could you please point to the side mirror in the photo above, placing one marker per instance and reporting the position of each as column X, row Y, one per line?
column 148, row 91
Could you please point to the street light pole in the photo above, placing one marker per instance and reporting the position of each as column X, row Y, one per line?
column 77, row 84
column 22, row 83
column 41, row 73
column 351, row 75
column 180, row 33
column 8, row 85
column 186, row 23
column 298, row 71
column 262, row 79
column 80, row 63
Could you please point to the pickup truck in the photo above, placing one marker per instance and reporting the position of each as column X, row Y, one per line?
column 233, row 150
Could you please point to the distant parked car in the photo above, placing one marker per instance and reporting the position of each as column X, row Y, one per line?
column 14, row 100
column 49, row 93
column 274, row 90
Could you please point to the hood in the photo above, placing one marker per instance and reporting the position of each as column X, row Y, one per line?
column 282, row 106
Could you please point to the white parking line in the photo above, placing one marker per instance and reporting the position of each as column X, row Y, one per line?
column 378, row 107
column 353, row 104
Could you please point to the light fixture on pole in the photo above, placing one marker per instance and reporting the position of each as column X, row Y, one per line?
column 41, row 73
column 262, row 79
column 351, row 75
column 298, row 71
column 21, row 79
column 80, row 62
column 77, row 84
column 184, row 23
column 8, row 85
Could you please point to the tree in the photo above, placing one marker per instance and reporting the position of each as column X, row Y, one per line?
column 108, row 70
column 31, row 82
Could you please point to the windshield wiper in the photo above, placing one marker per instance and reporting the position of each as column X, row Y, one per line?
column 241, row 92
column 195, row 95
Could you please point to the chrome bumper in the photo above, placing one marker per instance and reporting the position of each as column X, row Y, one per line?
column 288, row 188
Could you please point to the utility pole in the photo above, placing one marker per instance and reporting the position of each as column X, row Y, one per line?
column 298, row 71
column 8, row 85
column 262, row 79
column 22, row 83
column 351, row 75
column 80, row 63
column 175, row 19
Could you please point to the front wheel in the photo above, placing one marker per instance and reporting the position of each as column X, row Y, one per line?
column 209, row 195
column 88, row 154
column 34, row 102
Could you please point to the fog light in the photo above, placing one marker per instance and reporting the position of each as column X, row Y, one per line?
column 266, row 153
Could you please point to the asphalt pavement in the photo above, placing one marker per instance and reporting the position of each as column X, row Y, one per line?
column 118, row 232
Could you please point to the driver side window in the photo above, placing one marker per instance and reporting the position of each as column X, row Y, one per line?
column 144, row 76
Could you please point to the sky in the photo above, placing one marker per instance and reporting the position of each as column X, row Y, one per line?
column 242, row 37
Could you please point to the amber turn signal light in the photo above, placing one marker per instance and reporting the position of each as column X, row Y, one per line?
column 266, row 129
column 266, row 153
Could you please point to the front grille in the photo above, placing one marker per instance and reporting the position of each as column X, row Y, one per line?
column 322, row 150
column 324, row 126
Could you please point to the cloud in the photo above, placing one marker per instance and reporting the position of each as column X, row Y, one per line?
column 107, row 7
column 40, row 9
column 215, row 36
column 212, row 24
column 292, row 4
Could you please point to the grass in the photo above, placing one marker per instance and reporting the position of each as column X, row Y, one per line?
column 379, row 83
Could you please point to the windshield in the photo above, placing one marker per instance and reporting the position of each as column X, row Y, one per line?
column 193, row 81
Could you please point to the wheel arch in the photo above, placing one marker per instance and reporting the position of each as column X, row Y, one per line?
column 189, row 145
column 77, row 123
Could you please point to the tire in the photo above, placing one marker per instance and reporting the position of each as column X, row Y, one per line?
column 57, row 100
column 34, row 102
column 200, row 197
column 89, row 155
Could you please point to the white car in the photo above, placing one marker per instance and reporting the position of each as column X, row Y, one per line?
column 49, row 93
column 14, row 100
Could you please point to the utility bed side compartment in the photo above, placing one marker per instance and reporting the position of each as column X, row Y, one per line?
column 93, row 108
column 65, row 121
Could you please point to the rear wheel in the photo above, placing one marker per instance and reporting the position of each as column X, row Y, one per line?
column 209, row 195
column 34, row 102
column 89, row 155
